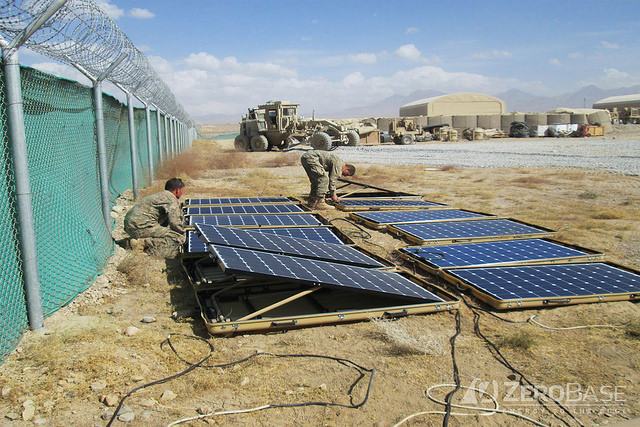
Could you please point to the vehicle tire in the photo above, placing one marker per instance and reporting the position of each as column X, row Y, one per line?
column 321, row 141
column 405, row 140
column 353, row 138
column 288, row 142
column 241, row 143
column 259, row 143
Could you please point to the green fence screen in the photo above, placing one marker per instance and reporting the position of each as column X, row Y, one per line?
column 72, row 240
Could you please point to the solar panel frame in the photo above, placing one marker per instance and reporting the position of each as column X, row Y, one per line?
column 462, row 231
column 379, row 220
column 533, row 285
column 317, row 273
column 247, row 239
column 436, row 259
column 255, row 221
column 377, row 204
column 244, row 209
column 218, row 201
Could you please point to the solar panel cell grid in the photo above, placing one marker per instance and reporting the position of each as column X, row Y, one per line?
column 286, row 245
column 387, row 202
column 467, row 254
column 270, row 220
column 391, row 217
column 319, row 234
column 242, row 209
column 319, row 272
column 236, row 200
column 467, row 229
column 548, row 281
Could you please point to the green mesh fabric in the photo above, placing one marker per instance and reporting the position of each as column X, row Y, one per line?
column 13, row 314
column 72, row 240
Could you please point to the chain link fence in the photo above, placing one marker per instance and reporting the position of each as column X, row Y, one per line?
column 65, row 153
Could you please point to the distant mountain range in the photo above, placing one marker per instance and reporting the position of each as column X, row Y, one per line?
column 516, row 100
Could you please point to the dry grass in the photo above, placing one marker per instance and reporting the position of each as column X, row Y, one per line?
column 519, row 340
column 405, row 342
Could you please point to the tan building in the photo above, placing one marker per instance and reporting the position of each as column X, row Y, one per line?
column 619, row 102
column 454, row 104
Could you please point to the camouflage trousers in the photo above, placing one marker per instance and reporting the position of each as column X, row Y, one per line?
column 317, row 177
column 158, row 240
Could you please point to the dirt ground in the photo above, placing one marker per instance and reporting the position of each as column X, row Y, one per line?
column 112, row 341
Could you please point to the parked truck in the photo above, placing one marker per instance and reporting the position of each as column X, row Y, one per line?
column 405, row 131
column 277, row 124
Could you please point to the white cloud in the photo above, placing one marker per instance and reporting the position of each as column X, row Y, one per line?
column 363, row 58
column 203, row 60
column 555, row 61
column 608, row 45
column 613, row 74
column 575, row 55
column 411, row 30
column 112, row 10
column 409, row 51
column 138, row 13
column 492, row 54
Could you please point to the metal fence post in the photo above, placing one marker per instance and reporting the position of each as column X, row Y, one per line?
column 159, row 134
column 147, row 117
column 132, row 144
column 18, row 141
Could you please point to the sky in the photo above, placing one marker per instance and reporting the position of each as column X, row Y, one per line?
column 222, row 57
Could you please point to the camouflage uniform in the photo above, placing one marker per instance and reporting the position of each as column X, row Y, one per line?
column 323, row 169
column 158, row 220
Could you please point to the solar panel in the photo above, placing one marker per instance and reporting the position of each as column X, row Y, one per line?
column 501, row 252
column 226, row 236
column 542, row 282
column 387, row 203
column 318, row 273
column 393, row 217
column 195, row 244
column 433, row 232
column 236, row 200
column 269, row 220
column 319, row 234
column 242, row 209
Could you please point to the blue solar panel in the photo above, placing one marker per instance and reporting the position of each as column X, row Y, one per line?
column 483, row 253
column 319, row 234
column 468, row 229
column 269, row 220
column 236, row 200
column 227, row 236
column 318, row 273
column 195, row 244
column 550, row 281
column 242, row 209
column 387, row 202
column 391, row 217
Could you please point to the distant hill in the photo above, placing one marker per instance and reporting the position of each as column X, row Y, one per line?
column 388, row 107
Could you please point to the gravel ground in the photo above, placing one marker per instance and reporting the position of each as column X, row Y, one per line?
column 615, row 155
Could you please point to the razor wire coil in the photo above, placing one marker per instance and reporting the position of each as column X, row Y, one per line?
column 81, row 33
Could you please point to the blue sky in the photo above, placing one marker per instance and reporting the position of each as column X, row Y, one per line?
column 221, row 57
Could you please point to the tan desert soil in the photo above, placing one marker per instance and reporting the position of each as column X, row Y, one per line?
column 91, row 357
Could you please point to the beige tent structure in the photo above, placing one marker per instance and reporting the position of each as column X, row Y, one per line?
column 454, row 104
column 619, row 102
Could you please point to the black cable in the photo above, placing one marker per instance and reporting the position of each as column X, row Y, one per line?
column 201, row 364
column 365, row 234
column 190, row 368
column 456, row 372
column 503, row 361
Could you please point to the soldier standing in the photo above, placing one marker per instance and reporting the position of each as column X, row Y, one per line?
column 323, row 169
column 156, row 224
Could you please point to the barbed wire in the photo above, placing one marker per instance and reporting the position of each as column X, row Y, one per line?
column 81, row 33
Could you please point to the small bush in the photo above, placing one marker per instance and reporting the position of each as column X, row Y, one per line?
column 520, row 340
column 588, row 195
column 633, row 328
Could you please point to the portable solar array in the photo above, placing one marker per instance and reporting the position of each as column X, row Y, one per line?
column 504, row 262
column 263, row 264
